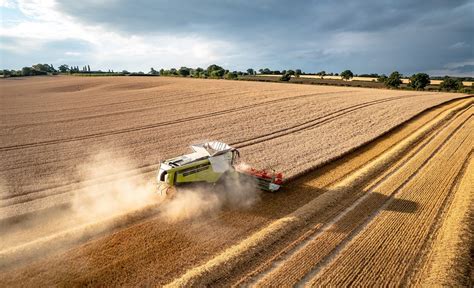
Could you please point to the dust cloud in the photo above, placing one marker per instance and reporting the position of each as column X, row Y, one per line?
column 233, row 192
column 116, row 194
column 113, row 194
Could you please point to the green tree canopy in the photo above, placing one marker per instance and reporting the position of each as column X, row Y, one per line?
column 419, row 81
column 394, row 80
column 63, row 68
column 27, row 71
column 215, row 71
column 214, row 67
column 322, row 74
column 449, row 84
column 184, row 71
column 347, row 74
column 231, row 75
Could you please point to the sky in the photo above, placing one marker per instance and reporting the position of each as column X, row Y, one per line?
column 370, row 36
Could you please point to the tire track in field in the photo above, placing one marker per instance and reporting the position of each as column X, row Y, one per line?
column 314, row 122
column 297, row 251
column 123, row 111
column 99, row 105
column 165, row 123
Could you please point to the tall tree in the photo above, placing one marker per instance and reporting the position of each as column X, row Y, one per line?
column 419, row 81
column 63, row 68
column 394, row 80
column 347, row 74
column 184, row 71
column 26, row 71
column 449, row 84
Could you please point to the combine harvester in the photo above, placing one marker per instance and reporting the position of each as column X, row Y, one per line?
column 210, row 163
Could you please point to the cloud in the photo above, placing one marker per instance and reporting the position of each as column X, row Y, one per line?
column 49, row 35
column 465, row 69
column 368, row 36
column 459, row 45
column 7, row 4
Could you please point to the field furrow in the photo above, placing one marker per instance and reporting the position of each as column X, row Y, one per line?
column 447, row 262
column 394, row 238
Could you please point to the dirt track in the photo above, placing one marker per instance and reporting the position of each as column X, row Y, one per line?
column 49, row 126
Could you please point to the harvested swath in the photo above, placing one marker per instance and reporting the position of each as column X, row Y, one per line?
column 395, row 238
column 447, row 263
column 301, row 262
column 225, row 262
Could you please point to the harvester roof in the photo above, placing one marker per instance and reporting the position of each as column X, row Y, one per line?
column 201, row 151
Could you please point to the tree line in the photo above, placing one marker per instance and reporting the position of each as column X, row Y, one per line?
column 48, row 69
column 417, row 81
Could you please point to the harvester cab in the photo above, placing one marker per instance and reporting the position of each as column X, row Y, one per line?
column 208, row 163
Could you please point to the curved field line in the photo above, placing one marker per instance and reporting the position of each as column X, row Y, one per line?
column 100, row 105
column 408, row 230
column 159, row 124
column 378, row 206
column 278, row 273
column 447, row 262
column 125, row 111
column 225, row 262
column 313, row 122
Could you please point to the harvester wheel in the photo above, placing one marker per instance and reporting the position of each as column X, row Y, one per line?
column 170, row 192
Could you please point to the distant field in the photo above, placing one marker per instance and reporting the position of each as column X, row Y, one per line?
column 66, row 141
column 369, row 79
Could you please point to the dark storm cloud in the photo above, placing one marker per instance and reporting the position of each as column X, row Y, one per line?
column 366, row 36
column 465, row 69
